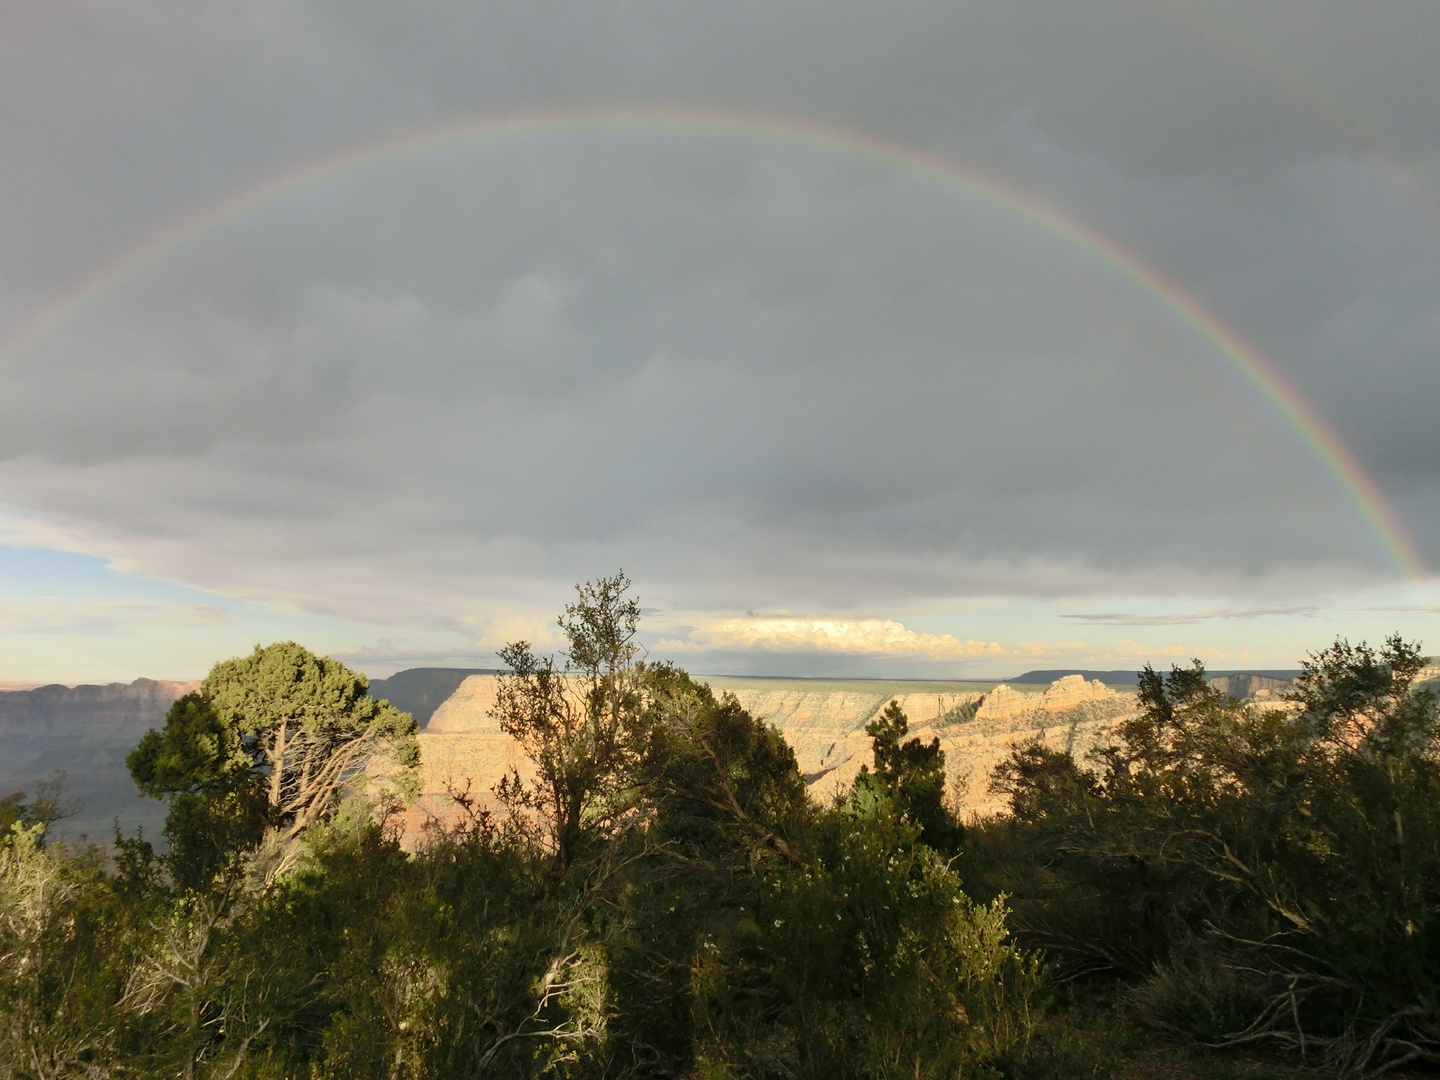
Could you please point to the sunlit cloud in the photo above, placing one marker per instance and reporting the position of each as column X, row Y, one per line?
column 858, row 637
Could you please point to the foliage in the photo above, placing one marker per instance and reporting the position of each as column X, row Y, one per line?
column 909, row 779
column 887, row 969
column 268, row 747
column 1271, row 876
column 198, row 764
column 660, row 898
column 576, row 723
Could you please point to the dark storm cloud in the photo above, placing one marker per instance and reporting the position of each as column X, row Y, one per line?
column 752, row 373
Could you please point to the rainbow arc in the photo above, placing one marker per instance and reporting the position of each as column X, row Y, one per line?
column 1245, row 361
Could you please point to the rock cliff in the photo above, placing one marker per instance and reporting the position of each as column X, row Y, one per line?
column 1257, row 688
column 420, row 691
column 825, row 724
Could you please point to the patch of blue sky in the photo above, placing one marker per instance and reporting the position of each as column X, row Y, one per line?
column 67, row 617
column 40, row 572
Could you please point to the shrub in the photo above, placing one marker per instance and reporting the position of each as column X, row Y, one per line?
column 1273, row 876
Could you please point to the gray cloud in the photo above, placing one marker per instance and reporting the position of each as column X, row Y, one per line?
column 755, row 374
column 1187, row 618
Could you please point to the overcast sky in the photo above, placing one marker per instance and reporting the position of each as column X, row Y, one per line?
column 831, row 412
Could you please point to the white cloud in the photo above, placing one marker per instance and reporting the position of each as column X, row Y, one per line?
column 860, row 637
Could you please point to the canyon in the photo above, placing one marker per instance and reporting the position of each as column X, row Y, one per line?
column 86, row 731
column 824, row 721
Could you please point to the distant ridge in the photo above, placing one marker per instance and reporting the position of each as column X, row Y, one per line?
column 421, row 690
column 86, row 731
column 1132, row 678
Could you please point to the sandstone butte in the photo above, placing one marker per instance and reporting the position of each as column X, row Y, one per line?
column 463, row 745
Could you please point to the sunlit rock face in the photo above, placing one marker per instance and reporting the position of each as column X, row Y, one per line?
column 975, row 747
column 1006, row 703
column 467, row 710
column 1069, row 692
column 823, row 721
column 421, row 691
column 1072, row 690
column 463, row 750
column 979, row 733
column 826, row 728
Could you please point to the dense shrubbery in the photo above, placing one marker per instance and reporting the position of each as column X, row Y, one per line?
column 659, row 898
column 1263, row 877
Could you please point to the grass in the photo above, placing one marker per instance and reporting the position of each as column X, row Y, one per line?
column 1088, row 1032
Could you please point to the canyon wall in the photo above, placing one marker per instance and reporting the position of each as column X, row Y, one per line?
column 825, row 724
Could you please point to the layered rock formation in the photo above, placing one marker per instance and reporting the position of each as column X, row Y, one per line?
column 978, row 734
column 1064, row 694
column 463, row 749
column 824, row 722
column 420, row 691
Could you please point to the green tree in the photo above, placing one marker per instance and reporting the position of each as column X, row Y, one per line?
column 199, row 765
column 909, row 779
column 275, row 737
column 576, row 723
column 723, row 803
column 883, row 966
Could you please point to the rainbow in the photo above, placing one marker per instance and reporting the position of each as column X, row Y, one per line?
column 1244, row 360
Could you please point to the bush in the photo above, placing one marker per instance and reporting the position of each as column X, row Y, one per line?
column 885, row 967
column 1273, row 876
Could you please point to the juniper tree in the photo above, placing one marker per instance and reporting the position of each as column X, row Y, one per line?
column 273, row 738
